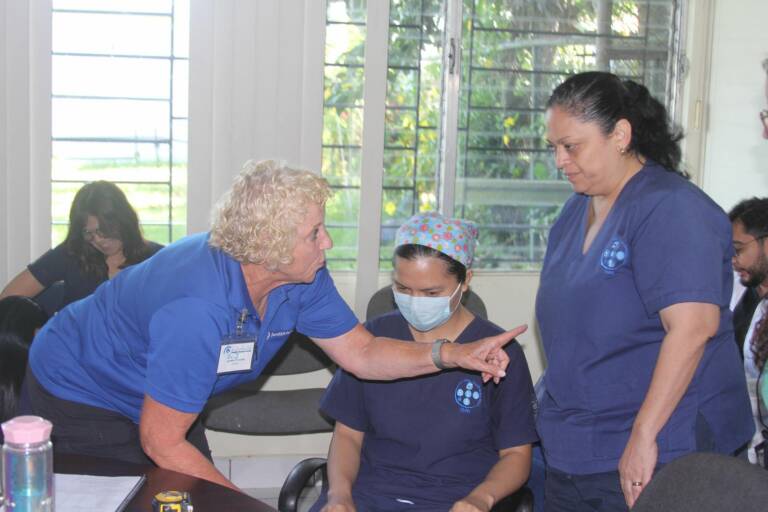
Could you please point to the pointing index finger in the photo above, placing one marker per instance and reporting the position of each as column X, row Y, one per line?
column 502, row 339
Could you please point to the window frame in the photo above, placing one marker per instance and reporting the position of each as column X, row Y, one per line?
column 170, row 223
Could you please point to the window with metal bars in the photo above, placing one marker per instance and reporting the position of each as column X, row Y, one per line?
column 119, row 107
column 476, row 150
column 514, row 54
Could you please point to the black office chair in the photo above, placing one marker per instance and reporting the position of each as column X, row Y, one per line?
column 52, row 298
column 383, row 301
column 242, row 410
column 706, row 482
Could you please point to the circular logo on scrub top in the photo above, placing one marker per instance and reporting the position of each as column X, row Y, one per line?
column 468, row 394
column 614, row 255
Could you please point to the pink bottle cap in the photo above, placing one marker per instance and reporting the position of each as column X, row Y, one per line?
column 27, row 430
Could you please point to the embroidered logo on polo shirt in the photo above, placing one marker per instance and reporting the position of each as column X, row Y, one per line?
column 275, row 334
column 468, row 395
column 615, row 255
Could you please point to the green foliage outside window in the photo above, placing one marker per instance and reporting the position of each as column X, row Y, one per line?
column 513, row 54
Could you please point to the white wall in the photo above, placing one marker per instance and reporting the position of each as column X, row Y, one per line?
column 25, row 121
column 5, row 213
column 736, row 158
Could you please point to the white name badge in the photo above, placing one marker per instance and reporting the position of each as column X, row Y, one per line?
column 236, row 356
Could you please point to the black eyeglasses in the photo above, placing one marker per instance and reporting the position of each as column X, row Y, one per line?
column 89, row 236
column 738, row 249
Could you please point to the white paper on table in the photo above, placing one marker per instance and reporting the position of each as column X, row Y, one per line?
column 88, row 493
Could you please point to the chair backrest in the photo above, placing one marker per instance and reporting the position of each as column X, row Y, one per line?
column 249, row 409
column 51, row 298
column 383, row 301
column 706, row 482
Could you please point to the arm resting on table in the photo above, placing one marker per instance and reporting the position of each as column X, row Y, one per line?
column 368, row 357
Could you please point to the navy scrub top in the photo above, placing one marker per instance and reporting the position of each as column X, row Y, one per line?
column 59, row 265
column 664, row 242
column 430, row 440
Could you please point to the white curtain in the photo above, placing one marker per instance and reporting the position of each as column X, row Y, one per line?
column 25, row 133
column 256, row 91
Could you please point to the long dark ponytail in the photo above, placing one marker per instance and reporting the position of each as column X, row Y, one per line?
column 603, row 98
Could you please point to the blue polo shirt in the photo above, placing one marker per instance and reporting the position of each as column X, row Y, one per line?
column 157, row 329
column 430, row 440
column 664, row 242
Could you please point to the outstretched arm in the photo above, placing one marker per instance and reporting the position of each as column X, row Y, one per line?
column 368, row 357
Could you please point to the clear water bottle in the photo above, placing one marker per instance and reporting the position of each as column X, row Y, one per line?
column 28, row 465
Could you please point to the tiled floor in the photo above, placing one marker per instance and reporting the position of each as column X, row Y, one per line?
column 269, row 496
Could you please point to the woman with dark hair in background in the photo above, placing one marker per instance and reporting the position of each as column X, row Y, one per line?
column 20, row 318
column 632, row 305
column 104, row 237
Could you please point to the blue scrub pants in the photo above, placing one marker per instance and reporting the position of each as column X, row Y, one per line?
column 598, row 492
column 536, row 480
column 601, row 492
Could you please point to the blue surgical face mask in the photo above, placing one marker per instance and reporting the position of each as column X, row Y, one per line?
column 425, row 313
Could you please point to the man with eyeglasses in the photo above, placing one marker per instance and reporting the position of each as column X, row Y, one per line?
column 749, row 219
column 746, row 218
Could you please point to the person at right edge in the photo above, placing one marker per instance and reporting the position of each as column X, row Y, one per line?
column 632, row 305
column 746, row 298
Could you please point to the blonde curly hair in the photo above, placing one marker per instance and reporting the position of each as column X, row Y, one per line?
column 256, row 220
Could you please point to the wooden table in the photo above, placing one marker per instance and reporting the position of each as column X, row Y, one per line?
column 206, row 496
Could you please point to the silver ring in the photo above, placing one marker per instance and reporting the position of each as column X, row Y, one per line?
column 637, row 484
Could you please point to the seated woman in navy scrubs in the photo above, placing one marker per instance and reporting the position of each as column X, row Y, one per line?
column 632, row 304
column 436, row 442
column 103, row 238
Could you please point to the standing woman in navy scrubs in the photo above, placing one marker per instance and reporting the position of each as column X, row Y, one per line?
column 633, row 304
